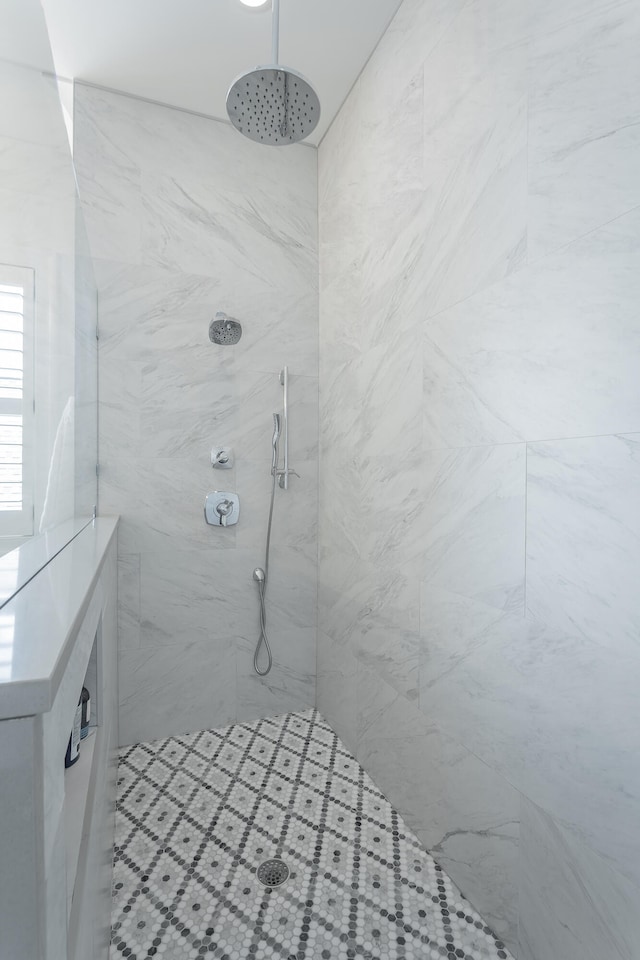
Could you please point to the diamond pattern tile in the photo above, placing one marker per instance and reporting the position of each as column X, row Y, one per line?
column 198, row 814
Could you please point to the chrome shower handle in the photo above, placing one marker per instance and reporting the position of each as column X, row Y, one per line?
column 223, row 509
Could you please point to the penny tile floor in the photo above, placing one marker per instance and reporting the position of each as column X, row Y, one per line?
column 198, row 814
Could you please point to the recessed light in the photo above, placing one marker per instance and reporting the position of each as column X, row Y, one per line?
column 256, row 4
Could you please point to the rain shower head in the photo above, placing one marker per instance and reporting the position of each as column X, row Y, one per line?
column 224, row 330
column 273, row 104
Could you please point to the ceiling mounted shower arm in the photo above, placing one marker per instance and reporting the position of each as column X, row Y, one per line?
column 275, row 53
column 273, row 104
column 275, row 31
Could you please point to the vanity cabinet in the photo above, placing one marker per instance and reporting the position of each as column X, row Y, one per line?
column 56, row 836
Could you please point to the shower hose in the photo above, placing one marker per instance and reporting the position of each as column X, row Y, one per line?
column 262, row 586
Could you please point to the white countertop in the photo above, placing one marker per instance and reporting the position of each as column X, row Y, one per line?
column 37, row 624
column 21, row 564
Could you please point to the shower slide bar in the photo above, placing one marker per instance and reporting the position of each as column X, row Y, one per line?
column 285, row 473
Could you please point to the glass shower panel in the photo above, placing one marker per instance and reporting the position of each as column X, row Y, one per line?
column 48, row 349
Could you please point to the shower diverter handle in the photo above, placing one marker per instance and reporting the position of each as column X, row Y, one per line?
column 224, row 509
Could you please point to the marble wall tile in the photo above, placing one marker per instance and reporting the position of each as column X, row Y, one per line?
column 341, row 180
column 383, row 711
column 546, row 17
column 474, row 523
column 519, row 673
column 195, row 149
column 295, row 523
column 389, row 384
column 336, row 671
column 375, row 613
column 414, row 33
column 258, row 397
column 120, row 384
column 290, row 685
column 583, row 521
column 341, row 425
column 293, row 589
column 129, row 601
column 469, row 655
column 392, row 512
column 147, row 311
column 191, row 176
column 280, row 326
column 341, row 193
column 180, row 415
column 476, row 212
column 394, row 248
column 161, row 503
column 375, row 508
column 584, row 138
column 452, row 627
column 180, row 397
column 589, row 910
column 187, row 219
column 342, row 318
column 389, row 219
column 456, row 413
column 110, row 184
column 213, row 231
column 546, row 354
column 476, row 74
column 339, row 488
column 195, row 593
column 475, row 154
column 552, row 712
column 166, row 689
column 466, row 816
column 337, row 608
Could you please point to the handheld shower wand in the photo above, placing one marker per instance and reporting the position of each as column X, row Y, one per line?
column 274, row 442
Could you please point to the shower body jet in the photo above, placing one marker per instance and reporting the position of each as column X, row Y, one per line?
column 224, row 330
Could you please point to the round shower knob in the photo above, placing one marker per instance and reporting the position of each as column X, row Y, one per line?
column 222, row 458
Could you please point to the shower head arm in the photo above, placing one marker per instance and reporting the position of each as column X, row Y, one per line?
column 275, row 30
column 273, row 104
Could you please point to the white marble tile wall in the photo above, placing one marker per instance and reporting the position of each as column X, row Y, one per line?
column 479, row 519
column 186, row 218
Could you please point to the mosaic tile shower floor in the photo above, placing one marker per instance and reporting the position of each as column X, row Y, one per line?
column 196, row 816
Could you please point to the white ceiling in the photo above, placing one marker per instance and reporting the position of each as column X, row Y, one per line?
column 187, row 52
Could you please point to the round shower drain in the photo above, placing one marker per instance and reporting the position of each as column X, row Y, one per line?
column 273, row 872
